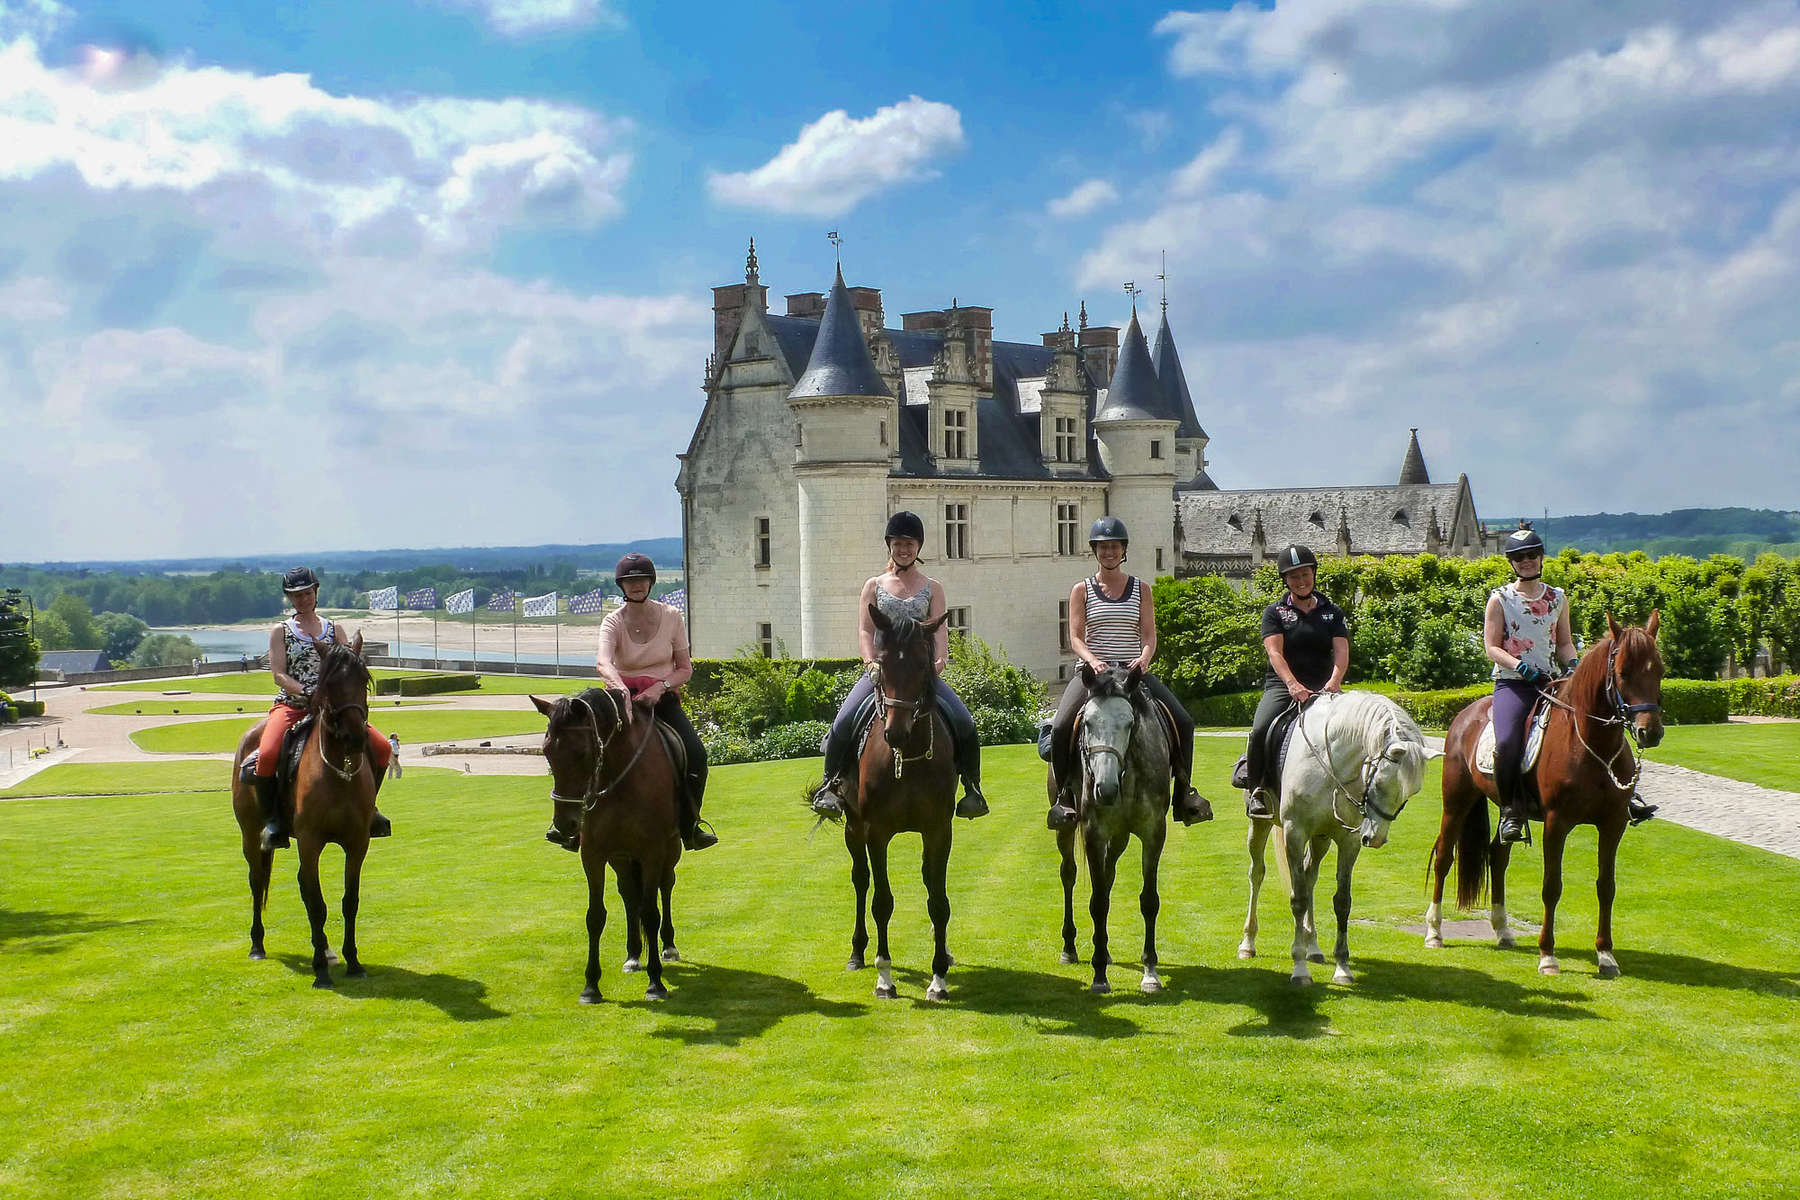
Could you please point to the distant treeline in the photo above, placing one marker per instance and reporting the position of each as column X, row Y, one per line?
column 479, row 561
column 1695, row 532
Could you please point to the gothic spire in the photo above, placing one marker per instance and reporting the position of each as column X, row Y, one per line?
column 750, row 273
column 1135, row 394
column 1413, row 469
column 1174, row 379
column 840, row 364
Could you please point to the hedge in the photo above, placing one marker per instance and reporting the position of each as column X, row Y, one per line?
column 1684, row 701
column 707, row 671
column 1696, row 701
column 425, row 685
column 21, row 708
column 1777, row 697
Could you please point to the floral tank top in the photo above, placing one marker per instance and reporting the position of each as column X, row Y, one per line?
column 1530, row 633
column 305, row 656
column 917, row 606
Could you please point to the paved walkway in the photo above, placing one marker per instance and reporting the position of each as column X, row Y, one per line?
column 1743, row 812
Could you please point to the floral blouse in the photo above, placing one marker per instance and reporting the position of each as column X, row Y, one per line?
column 1530, row 632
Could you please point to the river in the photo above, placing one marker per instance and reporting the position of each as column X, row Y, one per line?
column 232, row 642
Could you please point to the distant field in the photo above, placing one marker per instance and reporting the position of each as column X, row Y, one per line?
column 1768, row 755
column 214, row 737
column 193, row 708
column 258, row 683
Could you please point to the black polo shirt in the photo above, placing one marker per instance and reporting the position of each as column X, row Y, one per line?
column 1305, row 638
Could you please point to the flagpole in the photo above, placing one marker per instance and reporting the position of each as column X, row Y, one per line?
column 556, row 620
column 515, row 641
column 434, row 649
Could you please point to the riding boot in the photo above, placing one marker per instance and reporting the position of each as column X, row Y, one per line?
column 693, row 837
column 1241, row 779
column 828, row 799
column 1514, row 826
column 275, row 827
column 1640, row 809
column 380, row 826
column 973, row 804
column 1191, row 808
column 1256, row 804
column 565, row 825
column 1063, row 814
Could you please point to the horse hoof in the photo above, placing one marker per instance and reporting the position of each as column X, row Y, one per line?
column 1609, row 966
column 1548, row 966
column 1434, row 942
column 256, row 954
column 887, row 993
column 356, row 971
column 631, row 966
column 322, row 981
column 591, row 996
column 855, row 963
column 656, row 991
column 1099, row 988
column 671, row 955
column 1068, row 957
column 1150, row 985
column 1504, row 941
column 1302, row 980
column 1315, row 956
column 1342, row 975
column 934, row 992
column 1246, row 951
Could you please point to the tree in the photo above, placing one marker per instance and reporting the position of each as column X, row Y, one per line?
column 18, row 650
column 79, row 619
column 166, row 650
column 1441, row 654
column 120, row 634
column 53, row 632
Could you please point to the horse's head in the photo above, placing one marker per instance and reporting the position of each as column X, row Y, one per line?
column 1634, row 675
column 1107, row 720
column 1391, row 777
column 575, row 739
column 906, row 671
column 340, row 699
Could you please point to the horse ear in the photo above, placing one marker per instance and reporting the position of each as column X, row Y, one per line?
column 880, row 619
column 931, row 627
column 1651, row 624
column 544, row 706
column 1087, row 673
column 1612, row 627
column 356, row 644
column 1134, row 677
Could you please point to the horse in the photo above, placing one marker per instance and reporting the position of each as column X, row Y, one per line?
column 1616, row 685
column 905, row 782
column 333, row 803
column 1124, row 748
column 612, row 759
column 1349, row 753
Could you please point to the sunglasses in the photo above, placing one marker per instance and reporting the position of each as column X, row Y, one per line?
column 1528, row 556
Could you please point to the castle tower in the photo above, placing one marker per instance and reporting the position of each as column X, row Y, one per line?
column 1136, row 433
column 1412, row 470
column 841, row 468
column 1190, row 439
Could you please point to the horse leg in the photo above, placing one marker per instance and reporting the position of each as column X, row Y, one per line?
column 314, row 898
column 353, row 863
column 1500, row 856
column 1443, row 851
column 669, row 953
column 859, row 879
column 649, row 919
column 1150, row 903
column 936, row 870
column 883, row 909
column 1065, row 846
column 261, row 862
column 1100, row 880
column 633, row 876
column 1258, row 842
column 1315, row 856
column 596, row 924
column 1556, row 834
column 1294, row 845
column 1348, row 847
column 1605, row 887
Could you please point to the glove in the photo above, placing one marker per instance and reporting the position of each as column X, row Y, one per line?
column 1531, row 674
column 1569, row 667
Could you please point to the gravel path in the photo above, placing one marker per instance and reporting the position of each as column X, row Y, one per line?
column 1743, row 812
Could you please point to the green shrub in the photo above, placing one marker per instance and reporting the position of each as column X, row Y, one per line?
column 816, row 694
column 985, row 678
column 1226, row 708
column 797, row 739
column 1777, row 697
column 1004, row 726
column 753, row 692
column 1440, row 655
column 727, row 746
column 425, row 685
column 709, row 673
column 1696, row 701
column 28, row 708
column 1207, row 635
column 1436, row 709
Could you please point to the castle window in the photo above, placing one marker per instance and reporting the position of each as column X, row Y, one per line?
column 1400, row 517
column 1159, row 551
column 956, row 433
column 1065, row 439
column 762, row 541
column 956, row 531
column 1236, row 522
column 1068, row 527
column 884, row 433
column 765, row 639
column 1155, row 447
column 958, row 624
column 1062, row 625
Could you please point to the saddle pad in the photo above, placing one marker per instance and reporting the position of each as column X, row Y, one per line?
column 1534, row 741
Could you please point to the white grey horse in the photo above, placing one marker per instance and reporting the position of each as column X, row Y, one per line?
column 1354, row 760
column 1123, row 749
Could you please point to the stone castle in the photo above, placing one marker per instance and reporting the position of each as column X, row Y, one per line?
column 821, row 422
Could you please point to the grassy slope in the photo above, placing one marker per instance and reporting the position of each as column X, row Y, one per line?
column 143, row 1055
column 192, row 708
column 1763, row 754
column 118, row 779
column 210, row 737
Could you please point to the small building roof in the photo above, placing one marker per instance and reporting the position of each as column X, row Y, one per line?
column 840, row 364
column 1383, row 519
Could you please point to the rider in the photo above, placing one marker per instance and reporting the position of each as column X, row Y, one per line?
column 1112, row 620
column 1526, row 621
column 1308, row 643
column 644, row 651
column 296, row 653
column 903, row 590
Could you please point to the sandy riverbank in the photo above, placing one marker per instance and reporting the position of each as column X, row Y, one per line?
column 536, row 636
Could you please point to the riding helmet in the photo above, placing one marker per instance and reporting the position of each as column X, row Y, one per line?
column 1108, row 529
column 1523, row 540
column 1292, row 558
column 299, row 579
column 634, row 566
column 905, row 524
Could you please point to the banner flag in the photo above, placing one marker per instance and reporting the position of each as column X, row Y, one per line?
column 502, row 601
column 588, row 602
column 677, row 600
column 541, row 606
column 387, row 597
column 424, row 598
column 462, row 602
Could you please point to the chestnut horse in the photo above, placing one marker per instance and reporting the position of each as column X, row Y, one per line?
column 334, row 801
column 905, row 783
column 1585, row 775
column 608, row 755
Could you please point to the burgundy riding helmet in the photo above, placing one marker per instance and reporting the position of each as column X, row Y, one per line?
column 634, row 566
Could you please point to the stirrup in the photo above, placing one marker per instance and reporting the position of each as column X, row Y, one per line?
column 1240, row 774
column 825, row 799
column 696, row 838
column 1640, row 809
column 1191, row 808
column 273, row 838
column 973, row 804
column 1520, row 825
column 1257, row 806
column 1063, row 814
column 380, row 826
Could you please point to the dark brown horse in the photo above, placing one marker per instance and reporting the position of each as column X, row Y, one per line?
column 905, row 783
column 334, row 801
column 1585, row 774
column 608, row 755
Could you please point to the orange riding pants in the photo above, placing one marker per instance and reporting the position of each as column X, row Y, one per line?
column 282, row 718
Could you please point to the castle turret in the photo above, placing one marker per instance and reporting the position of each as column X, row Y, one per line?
column 1412, row 470
column 841, row 465
column 1190, row 439
column 1135, row 429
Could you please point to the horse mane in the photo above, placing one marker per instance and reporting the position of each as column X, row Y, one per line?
column 338, row 657
column 563, row 711
column 1582, row 692
column 901, row 630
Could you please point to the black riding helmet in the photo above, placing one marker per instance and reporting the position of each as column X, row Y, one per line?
column 1108, row 529
column 1292, row 558
column 299, row 579
column 907, row 525
column 634, row 566
column 1523, row 540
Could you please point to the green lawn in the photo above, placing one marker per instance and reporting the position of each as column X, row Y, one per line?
column 143, row 1054
column 211, row 737
column 1763, row 754
column 113, row 779
column 193, row 708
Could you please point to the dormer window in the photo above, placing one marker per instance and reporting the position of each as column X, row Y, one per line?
column 1400, row 517
column 1317, row 518
column 1236, row 522
column 956, row 433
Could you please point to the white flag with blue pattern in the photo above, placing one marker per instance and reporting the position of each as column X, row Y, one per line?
column 541, row 606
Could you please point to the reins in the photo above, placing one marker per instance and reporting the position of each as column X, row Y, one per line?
column 1623, row 714
column 328, row 718
column 1371, row 765
column 883, row 701
column 594, row 792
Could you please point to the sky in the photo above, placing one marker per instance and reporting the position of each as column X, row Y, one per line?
column 279, row 275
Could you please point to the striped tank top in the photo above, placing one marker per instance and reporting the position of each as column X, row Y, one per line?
column 1113, row 626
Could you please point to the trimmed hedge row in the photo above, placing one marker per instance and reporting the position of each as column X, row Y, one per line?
column 801, row 739
column 21, row 708
column 425, row 685
column 1684, row 701
column 1777, row 697
column 709, row 671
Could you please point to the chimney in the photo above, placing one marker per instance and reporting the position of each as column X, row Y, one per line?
column 1100, row 350
column 730, row 301
column 806, row 304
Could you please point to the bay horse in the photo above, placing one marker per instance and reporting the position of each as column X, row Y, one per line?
column 334, row 801
column 1354, row 754
column 905, row 783
column 1618, row 684
column 609, row 756
column 1123, row 747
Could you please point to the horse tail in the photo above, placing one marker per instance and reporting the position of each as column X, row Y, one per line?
column 1473, row 854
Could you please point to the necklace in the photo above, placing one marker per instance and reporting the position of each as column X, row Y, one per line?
column 639, row 626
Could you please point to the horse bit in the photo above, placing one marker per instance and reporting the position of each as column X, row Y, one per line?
column 328, row 719
column 595, row 793
column 883, row 702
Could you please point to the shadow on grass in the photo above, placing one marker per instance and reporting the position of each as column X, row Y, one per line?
column 1054, row 1004
column 739, row 1004
column 457, row 998
column 1703, row 972
column 50, row 931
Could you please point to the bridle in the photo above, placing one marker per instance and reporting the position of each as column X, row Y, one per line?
column 1371, row 767
column 1622, row 715
column 594, row 793
column 1089, row 749
column 884, row 701
column 329, row 721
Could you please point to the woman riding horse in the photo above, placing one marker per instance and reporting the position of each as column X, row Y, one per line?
column 296, row 652
column 1112, row 622
column 644, row 652
column 902, row 590
column 1308, row 643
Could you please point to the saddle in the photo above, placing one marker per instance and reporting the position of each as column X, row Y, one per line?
column 1275, row 748
column 287, row 767
column 1534, row 740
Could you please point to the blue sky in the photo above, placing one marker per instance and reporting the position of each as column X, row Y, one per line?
column 280, row 276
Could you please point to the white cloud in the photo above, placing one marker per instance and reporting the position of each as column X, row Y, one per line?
column 36, row 19
column 1087, row 197
column 526, row 18
column 838, row 160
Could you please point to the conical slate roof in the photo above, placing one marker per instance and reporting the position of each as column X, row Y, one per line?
column 1135, row 394
column 1413, row 469
column 840, row 363
column 1174, row 381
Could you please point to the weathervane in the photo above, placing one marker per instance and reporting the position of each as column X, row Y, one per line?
column 837, row 244
column 1163, row 277
column 1134, row 291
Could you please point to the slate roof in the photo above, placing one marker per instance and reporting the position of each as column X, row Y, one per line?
column 1383, row 519
column 73, row 661
column 1174, row 381
column 839, row 364
column 1135, row 394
